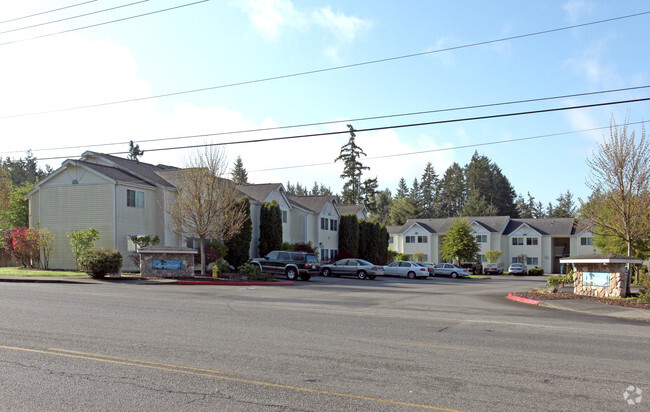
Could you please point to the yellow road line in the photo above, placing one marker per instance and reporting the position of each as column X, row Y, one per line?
column 215, row 375
column 94, row 355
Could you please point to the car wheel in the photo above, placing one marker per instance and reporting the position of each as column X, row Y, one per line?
column 454, row 275
column 305, row 277
column 411, row 275
column 326, row 272
column 361, row 274
column 291, row 273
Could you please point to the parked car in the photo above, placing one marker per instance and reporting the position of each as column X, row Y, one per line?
column 474, row 267
column 517, row 269
column 448, row 269
column 356, row 267
column 493, row 268
column 409, row 269
column 291, row 264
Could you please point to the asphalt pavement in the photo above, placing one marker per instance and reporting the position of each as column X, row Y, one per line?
column 574, row 305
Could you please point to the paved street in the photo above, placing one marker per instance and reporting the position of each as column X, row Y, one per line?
column 327, row 344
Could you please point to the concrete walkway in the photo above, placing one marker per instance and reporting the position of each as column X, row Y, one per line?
column 590, row 307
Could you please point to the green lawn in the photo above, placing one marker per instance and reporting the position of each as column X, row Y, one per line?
column 18, row 271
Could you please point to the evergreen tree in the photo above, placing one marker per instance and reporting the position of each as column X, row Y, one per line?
column 134, row 151
column 402, row 189
column 565, row 207
column 369, row 194
column 429, row 191
column 270, row 227
column 525, row 207
column 239, row 173
column 384, row 203
column 290, row 188
column 476, row 205
column 479, row 177
column 239, row 245
column 402, row 210
column 505, row 194
column 415, row 194
column 368, row 240
column 352, row 170
column 348, row 236
column 25, row 170
column 452, row 192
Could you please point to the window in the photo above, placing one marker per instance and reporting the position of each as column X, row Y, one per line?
column 323, row 223
column 532, row 261
column 517, row 241
column 333, row 253
column 130, row 246
column 410, row 239
column 531, row 241
column 283, row 256
column 324, row 254
column 482, row 258
column 390, row 239
column 585, row 241
column 517, row 259
column 481, row 238
column 284, row 216
column 333, row 225
column 135, row 198
column 422, row 239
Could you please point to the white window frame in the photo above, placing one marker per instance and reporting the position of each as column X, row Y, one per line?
column 138, row 198
column 285, row 215
column 517, row 241
column 409, row 239
column 532, row 241
column 422, row 239
column 586, row 241
column 532, row 261
column 481, row 238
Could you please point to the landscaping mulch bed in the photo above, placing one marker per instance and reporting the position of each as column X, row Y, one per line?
column 628, row 303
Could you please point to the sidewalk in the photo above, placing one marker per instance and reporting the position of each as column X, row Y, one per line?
column 590, row 307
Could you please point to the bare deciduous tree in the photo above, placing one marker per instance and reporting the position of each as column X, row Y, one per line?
column 619, row 178
column 206, row 204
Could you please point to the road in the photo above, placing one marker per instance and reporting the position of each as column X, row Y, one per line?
column 327, row 344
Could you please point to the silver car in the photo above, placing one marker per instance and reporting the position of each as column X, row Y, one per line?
column 517, row 269
column 448, row 269
column 411, row 270
column 357, row 267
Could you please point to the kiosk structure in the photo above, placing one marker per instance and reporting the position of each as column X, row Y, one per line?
column 600, row 275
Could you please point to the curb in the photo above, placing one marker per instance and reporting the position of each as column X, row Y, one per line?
column 209, row 282
column 523, row 300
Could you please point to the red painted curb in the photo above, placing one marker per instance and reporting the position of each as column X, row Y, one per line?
column 523, row 300
column 209, row 282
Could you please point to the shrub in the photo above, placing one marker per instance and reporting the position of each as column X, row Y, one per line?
column 100, row 262
column 81, row 242
column 222, row 265
column 252, row 272
column 304, row 247
column 644, row 282
column 211, row 255
column 559, row 280
column 22, row 245
column 536, row 271
column 287, row 246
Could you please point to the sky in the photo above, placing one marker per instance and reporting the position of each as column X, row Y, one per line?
column 88, row 78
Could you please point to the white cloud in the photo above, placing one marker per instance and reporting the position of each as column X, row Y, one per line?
column 575, row 9
column 345, row 28
column 271, row 16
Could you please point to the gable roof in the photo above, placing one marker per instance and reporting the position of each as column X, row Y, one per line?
column 259, row 192
column 113, row 173
column 564, row 226
column 312, row 203
column 144, row 171
column 351, row 209
column 493, row 224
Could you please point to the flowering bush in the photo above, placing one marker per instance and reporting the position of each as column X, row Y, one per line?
column 22, row 245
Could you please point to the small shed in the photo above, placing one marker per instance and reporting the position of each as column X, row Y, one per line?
column 167, row 261
column 600, row 275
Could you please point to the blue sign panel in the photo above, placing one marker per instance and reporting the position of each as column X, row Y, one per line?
column 164, row 264
column 595, row 279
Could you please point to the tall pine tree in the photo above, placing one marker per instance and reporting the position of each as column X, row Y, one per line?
column 239, row 173
column 352, row 170
column 429, row 191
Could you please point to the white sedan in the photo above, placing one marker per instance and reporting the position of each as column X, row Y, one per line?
column 411, row 270
column 447, row 269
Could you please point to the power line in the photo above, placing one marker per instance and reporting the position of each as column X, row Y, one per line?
column 100, row 24
column 46, row 12
column 370, row 129
column 359, row 119
column 494, row 142
column 72, row 17
column 305, row 73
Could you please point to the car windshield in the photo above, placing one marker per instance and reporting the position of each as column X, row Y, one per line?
column 517, row 265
